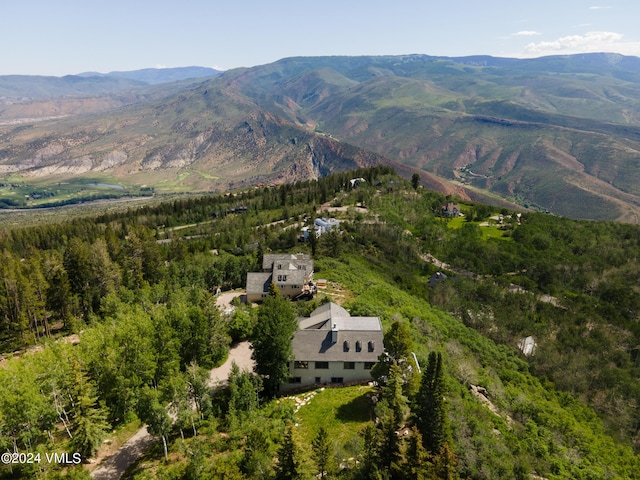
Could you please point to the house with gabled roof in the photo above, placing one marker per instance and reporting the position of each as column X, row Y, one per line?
column 451, row 210
column 292, row 273
column 331, row 346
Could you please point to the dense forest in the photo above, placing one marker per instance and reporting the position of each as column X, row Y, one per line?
column 111, row 320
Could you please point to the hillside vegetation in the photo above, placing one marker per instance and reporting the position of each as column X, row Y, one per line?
column 149, row 328
column 554, row 133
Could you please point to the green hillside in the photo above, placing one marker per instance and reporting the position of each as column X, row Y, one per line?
column 148, row 328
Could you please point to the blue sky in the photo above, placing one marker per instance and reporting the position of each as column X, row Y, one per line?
column 58, row 37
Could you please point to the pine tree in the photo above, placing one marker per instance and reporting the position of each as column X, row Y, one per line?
column 445, row 463
column 417, row 465
column 255, row 459
column 393, row 397
column 369, row 466
column 389, row 455
column 321, row 452
column 430, row 405
column 288, row 467
column 415, row 181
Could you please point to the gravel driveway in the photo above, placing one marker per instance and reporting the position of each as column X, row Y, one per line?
column 114, row 466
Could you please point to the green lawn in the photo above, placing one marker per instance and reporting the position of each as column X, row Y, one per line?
column 456, row 222
column 487, row 232
column 493, row 232
column 342, row 411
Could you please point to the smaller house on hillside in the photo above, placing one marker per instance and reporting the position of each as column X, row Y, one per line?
column 451, row 210
column 324, row 225
column 292, row 273
column 436, row 278
column 320, row 227
column 331, row 346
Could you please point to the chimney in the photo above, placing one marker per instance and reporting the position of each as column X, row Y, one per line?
column 334, row 333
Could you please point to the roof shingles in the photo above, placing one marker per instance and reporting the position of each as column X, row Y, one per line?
column 313, row 339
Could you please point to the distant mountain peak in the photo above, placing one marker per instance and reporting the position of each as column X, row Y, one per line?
column 154, row 76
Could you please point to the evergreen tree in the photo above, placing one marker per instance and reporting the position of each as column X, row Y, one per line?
column 321, row 452
column 430, row 405
column 256, row 460
column 369, row 466
column 397, row 350
column 288, row 467
column 393, row 403
column 445, row 463
column 417, row 465
column 58, row 293
column 389, row 455
column 415, row 181
column 272, row 343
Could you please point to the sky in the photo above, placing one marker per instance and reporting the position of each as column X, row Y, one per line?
column 60, row 37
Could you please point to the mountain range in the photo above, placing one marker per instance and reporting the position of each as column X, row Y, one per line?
column 557, row 133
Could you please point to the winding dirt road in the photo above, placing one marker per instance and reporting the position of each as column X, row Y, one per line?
column 113, row 467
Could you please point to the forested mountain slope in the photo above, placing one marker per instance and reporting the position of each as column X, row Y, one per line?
column 148, row 327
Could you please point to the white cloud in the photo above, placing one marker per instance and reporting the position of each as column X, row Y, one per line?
column 587, row 43
column 598, row 8
column 526, row 33
column 160, row 66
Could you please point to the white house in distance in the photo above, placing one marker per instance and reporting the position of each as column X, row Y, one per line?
column 292, row 273
column 320, row 226
column 331, row 346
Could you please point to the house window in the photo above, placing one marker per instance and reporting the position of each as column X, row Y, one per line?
column 369, row 365
column 349, row 365
column 279, row 267
column 318, row 380
column 358, row 346
column 346, row 346
column 304, row 365
column 372, row 346
column 322, row 365
column 295, row 380
column 337, row 380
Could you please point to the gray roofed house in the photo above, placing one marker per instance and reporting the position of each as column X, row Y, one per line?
column 286, row 261
column 258, row 284
column 331, row 346
column 292, row 273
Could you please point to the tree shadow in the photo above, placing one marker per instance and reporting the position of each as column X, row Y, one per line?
column 357, row 410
